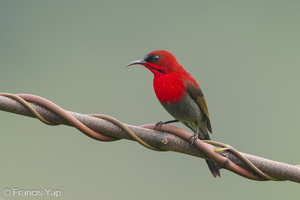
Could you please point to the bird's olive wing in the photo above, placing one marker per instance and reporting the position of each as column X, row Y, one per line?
column 197, row 95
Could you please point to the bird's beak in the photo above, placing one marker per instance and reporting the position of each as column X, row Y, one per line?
column 136, row 62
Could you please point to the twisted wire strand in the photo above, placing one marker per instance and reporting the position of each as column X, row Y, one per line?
column 126, row 129
column 200, row 144
column 60, row 111
column 243, row 158
column 21, row 98
column 224, row 162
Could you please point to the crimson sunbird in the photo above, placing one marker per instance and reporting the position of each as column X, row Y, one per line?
column 180, row 95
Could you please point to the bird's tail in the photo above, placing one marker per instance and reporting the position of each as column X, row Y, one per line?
column 213, row 166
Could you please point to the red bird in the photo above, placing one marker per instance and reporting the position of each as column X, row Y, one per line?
column 180, row 95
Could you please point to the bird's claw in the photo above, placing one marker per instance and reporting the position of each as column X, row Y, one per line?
column 159, row 123
column 165, row 122
column 193, row 138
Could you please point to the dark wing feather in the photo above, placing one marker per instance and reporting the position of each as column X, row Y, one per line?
column 197, row 95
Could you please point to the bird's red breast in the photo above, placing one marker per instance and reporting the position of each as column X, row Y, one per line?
column 172, row 87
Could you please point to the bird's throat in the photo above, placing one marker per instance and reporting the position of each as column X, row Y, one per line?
column 151, row 68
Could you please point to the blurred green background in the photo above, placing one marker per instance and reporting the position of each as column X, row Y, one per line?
column 244, row 54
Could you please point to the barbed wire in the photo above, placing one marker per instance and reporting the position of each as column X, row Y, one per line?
column 226, row 156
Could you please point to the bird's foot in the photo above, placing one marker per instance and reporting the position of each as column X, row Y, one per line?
column 193, row 138
column 165, row 122
column 159, row 123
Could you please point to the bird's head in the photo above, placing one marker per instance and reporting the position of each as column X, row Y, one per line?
column 159, row 62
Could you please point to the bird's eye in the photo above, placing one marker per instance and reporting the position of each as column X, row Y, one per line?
column 151, row 58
